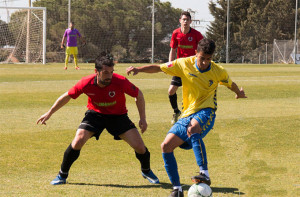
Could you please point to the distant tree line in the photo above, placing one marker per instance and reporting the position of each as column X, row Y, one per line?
column 253, row 23
column 122, row 26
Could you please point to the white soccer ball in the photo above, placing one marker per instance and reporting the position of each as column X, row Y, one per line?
column 200, row 190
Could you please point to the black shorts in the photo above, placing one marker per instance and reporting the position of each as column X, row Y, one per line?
column 176, row 81
column 114, row 124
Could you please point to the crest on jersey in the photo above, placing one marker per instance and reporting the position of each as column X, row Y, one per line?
column 190, row 39
column 210, row 82
column 112, row 93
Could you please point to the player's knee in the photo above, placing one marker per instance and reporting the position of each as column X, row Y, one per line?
column 80, row 139
column 140, row 148
column 166, row 148
column 172, row 90
column 193, row 129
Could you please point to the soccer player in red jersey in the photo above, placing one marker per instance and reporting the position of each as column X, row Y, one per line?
column 106, row 110
column 185, row 39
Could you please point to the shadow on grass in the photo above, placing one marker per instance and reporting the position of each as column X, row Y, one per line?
column 227, row 190
column 160, row 185
column 224, row 190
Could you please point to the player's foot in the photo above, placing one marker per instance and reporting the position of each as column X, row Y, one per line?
column 77, row 68
column 176, row 193
column 201, row 178
column 58, row 180
column 65, row 68
column 150, row 176
column 175, row 117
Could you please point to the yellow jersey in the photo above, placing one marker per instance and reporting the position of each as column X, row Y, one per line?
column 199, row 88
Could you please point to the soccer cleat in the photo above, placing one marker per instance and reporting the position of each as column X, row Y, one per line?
column 77, row 68
column 58, row 180
column 150, row 176
column 175, row 117
column 65, row 68
column 176, row 193
column 201, row 178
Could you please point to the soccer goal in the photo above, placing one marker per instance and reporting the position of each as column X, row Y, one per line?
column 23, row 35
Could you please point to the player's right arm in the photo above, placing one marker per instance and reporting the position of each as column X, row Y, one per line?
column 172, row 54
column 60, row 102
column 63, row 40
column 145, row 69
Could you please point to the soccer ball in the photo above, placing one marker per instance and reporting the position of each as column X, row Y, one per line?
column 200, row 190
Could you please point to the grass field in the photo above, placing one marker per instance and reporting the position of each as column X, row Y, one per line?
column 253, row 150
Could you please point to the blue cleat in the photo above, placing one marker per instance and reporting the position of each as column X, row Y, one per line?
column 58, row 180
column 150, row 176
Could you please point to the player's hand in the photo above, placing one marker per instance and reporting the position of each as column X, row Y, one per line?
column 44, row 118
column 241, row 94
column 62, row 46
column 132, row 70
column 143, row 125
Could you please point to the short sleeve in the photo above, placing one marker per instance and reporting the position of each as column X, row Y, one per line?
column 174, row 43
column 225, row 79
column 76, row 90
column 65, row 34
column 172, row 68
column 199, row 37
column 78, row 33
column 130, row 88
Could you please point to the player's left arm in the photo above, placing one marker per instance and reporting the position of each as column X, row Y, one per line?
column 240, row 93
column 81, row 38
column 140, row 103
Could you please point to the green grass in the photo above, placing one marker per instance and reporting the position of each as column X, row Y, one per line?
column 253, row 150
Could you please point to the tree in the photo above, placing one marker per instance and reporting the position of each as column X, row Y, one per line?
column 253, row 23
column 112, row 25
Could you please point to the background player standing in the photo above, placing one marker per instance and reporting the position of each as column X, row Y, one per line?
column 185, row 40
column 71, row 34
column 106, row 110
column 200, row 78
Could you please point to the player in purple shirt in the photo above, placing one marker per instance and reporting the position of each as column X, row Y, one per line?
column 71, row 34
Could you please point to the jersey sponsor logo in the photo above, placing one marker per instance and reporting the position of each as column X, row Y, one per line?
column 112, row 93
column 210, row 82
column 190, row 39
column 186, row 46
column 192, row 75
column 105, row 104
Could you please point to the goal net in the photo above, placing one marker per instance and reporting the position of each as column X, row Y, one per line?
column 23, row 35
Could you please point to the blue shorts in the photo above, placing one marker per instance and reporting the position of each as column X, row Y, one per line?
column 205, row 117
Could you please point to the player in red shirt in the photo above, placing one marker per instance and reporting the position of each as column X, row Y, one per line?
column 106, row 110
column 185, row 39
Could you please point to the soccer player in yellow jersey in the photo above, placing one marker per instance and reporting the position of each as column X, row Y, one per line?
column 200, row 78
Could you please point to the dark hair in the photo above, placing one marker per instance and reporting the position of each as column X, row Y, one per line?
column 186, row 13
column 105, row 58
column 206, row 45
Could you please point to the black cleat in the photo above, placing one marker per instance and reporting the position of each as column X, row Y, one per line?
column 201, row 178
column 176, row 193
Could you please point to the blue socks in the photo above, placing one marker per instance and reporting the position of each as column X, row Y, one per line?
column 171, row 168
column 199, row 150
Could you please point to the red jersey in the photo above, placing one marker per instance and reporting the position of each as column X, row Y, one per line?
column 108, row 100
column 186, row 44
